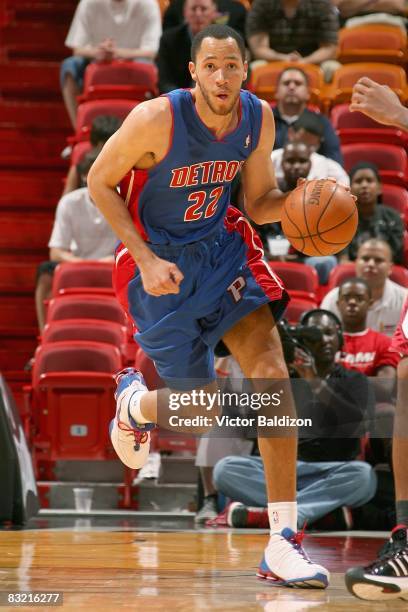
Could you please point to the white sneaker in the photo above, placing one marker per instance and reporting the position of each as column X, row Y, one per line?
column 151, row 469
column 130, row 440
column 285, row 563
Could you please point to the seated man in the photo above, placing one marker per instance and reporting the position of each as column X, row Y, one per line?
column 303, row 32
column 329, row 477
column 364, row 350
column 80, row 232
column 292, row 96
column 229, row 12
column 102, row 128
column 309, row 129
column 374, row 219
column 296, row 164
column 175, row 44
column 103, row 31
column 373, row 264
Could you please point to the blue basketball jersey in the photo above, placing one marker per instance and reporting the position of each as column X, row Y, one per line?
column 185, row 196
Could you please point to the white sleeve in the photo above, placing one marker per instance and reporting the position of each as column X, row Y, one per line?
column 152, row 29
column 329, row 301
column 61, row 235
column 338, row 172
column 78, row 34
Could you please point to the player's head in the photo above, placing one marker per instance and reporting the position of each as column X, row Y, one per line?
column 84, row 166
column 102, row 128
column 218, row 67
column 365, row 184
column 295, row 162
column 292, row 91
column 324, row 350
column 309, row 128
column 353, row 303
column 374, row 262
column 199, row 14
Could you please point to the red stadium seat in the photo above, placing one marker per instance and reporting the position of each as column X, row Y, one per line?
column 79, row 151
column 72, row 400
column 79, row 277
column 397, row 198
column 297, row 307
column 87, row 111
column 343, row 271
column 119, row 79
column 94, row 330
column 346, row 76
column 297, row 276
column 391, row 160
column 372, row 43
column 84, row 306
column 357, row 127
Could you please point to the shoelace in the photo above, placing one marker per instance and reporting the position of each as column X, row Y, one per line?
column 297, row 540
column 140, row 437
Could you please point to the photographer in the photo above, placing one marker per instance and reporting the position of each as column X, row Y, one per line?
column 338, row 401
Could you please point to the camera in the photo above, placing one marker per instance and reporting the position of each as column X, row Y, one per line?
column 293, row 336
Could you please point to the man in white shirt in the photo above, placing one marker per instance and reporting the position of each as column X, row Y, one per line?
column 104, row 30
column 309, row 129
column 373, row 264
column 80, row 232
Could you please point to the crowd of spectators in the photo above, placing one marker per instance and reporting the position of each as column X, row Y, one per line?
column 356, row 319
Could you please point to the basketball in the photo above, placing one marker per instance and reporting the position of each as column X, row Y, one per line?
column 319, row 217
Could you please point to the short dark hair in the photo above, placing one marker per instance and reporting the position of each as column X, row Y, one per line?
column 102, row 128
column 357, row 280
column 86, row 162
column 220, row 32
column 310, row 122
column 302, row 72
column 365, row 165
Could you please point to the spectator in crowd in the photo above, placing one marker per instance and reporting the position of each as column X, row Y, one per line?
column 80, row 232
column 308, row 129
column 374, row 219
column 103, row 31
column 370, row 10
column 364, row 349
column 374, row 264
column 329, row 477
column 292, row 96
column 304, row 31
column 102, row 128
column 175, row 44
column 229, row 12
column 296, row 164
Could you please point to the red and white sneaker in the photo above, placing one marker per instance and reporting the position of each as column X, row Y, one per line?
column 285, row 563
column 130, row 440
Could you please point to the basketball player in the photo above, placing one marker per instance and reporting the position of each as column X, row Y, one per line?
column 191, row 269
column 387, row 576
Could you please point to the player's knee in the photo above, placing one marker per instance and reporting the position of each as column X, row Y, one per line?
column 365, row 481
column 268, row 369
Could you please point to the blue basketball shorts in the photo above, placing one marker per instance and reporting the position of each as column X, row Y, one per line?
column 225, row 278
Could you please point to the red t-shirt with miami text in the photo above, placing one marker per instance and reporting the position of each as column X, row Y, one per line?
column 367, row 351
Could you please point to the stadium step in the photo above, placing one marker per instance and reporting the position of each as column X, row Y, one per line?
column 17, row 277
column 39, row 80
column 31, row 149
column 31, row 189
column 42, row 11
column 18, row 232
column 24, row 114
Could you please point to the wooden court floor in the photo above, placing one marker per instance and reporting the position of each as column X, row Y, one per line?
column 172, row 571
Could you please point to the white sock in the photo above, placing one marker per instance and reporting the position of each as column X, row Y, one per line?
column 134, row 406
column 281, row 515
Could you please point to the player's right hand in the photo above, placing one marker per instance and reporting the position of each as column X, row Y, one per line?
column 161, row 277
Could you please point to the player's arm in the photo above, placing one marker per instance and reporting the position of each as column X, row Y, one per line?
column 263, row 200
column 145, row 131
column 379, row 102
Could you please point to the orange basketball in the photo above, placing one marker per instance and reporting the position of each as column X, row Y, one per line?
column 319, row 217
